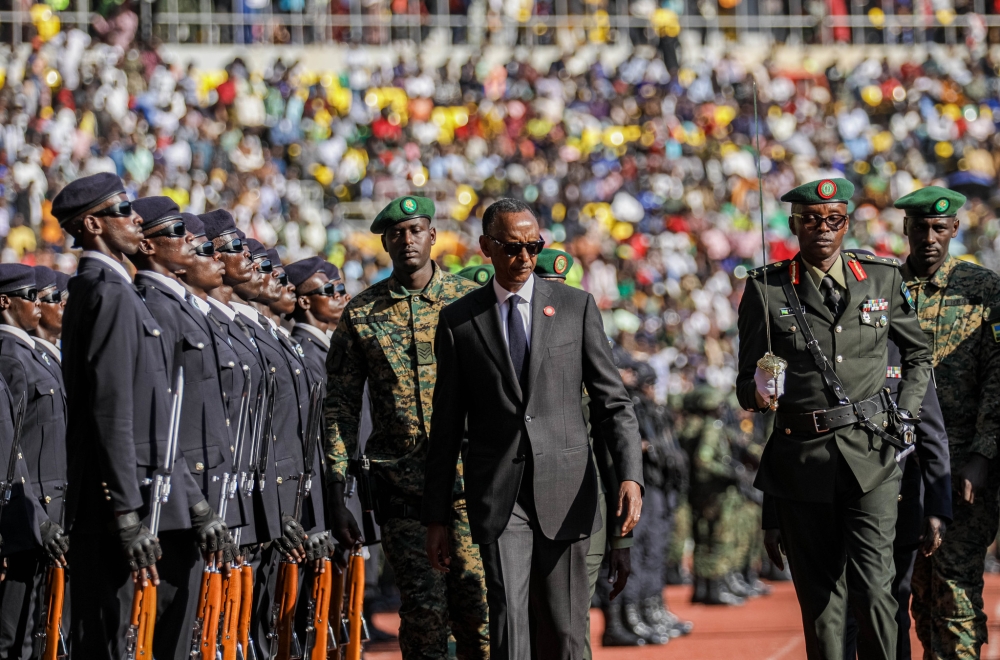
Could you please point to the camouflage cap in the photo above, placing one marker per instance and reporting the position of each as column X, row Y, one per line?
column 402, row 209
column 931, row 201
column 479, row 274
column 553, row 264
column 823, row 191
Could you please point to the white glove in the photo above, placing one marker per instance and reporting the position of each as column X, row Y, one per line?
column 767, row 385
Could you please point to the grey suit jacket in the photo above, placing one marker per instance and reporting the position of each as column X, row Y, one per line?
column 476, row 380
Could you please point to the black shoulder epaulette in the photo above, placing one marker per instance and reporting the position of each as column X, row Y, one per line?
column 770, row 268
column 871, row 258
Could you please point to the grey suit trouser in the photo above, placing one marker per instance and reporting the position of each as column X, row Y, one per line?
column 537, row 590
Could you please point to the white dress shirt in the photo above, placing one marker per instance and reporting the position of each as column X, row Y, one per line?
column 225, row 310
column 247, row 311
column 320, row 336
column 116, row 265
column 524, row 308
column 19, row 333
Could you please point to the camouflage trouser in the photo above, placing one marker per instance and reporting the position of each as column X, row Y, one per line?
column 948, row 586
column 436, row 604
column 716, row 529
column 748, row 537
column 681, row 534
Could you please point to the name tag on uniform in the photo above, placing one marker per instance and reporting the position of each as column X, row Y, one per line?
column 877, row 305
column 425, row 353
column 375, row 318
column 893, row 372
column 789, row 311
column 996, row 332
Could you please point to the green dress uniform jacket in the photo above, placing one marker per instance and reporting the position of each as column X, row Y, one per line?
column 803, row 467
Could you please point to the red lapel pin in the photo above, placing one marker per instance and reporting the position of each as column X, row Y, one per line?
column 549, row 311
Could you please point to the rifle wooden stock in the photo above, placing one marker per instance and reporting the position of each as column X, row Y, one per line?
column 246, row 608
column 317, row 637
column 55, row 592
column 142, row 621
column 286, row 593
column 355, row 605
column 232, row 587
column 206, row 625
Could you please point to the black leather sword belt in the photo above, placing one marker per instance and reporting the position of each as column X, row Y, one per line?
column 823, row 421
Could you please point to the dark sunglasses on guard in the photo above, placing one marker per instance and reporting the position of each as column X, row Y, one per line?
column 234, row 246
column 264, row 265
column 121, row 209
column 176, row 230
column 282, row 278
column 813, row 221
column 53, row 298
column 514, row 249
column 331, row 289
column 206, row 249
column 28, row 293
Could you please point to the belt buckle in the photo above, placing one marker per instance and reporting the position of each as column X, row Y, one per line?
column 816, row 421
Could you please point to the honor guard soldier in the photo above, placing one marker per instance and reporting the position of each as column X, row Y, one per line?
column 386, row 337
column 341, row 297
column 958, row 305
column 829, row 469
column 316, row 306
column 163, row 254
column 118, row 407
column 43, row 452
column 52, row 299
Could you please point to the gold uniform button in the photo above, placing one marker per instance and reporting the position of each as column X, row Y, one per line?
column 279, row 480
column 793, row 328
column 199, row 466
column 272, row 370
column 297, row 372
column 104, row 484
column 840, row 358
column 201, row 345
column 232, row 364
column 108, row 498
column 48, row 498
column 899, row 498
column 52, row 391
column 838, row 329
column 156, row 333
column 227, row 422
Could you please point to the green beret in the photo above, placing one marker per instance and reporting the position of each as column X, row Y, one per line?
column 823, row 191
column 932, row 200
column 553, row 264
column 478, row 274
column 402, row 209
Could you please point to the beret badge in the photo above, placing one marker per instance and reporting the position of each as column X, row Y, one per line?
column 560, row 265
column 482, row 276
column 409, row 205
column 826, row 189
column 941, row 205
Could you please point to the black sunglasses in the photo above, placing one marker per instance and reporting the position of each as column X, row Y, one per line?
column 813, row 221
column 234, row 246
column 282, row 279
column 53, row 298
column 514, row 249
column 206, row 249
column 331, row 289
column 176, row 230
column 122, row 209
column 265, row 265
column 29, row 293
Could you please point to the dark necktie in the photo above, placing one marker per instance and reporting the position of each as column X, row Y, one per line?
column 518, row 341
column 831, row 296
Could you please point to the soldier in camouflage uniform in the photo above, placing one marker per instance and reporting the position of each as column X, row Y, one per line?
column 958, row 304
column 386, row 337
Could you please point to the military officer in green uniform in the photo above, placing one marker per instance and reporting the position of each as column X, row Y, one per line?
column 958, row 305
column 828, row 470
column 386, row 337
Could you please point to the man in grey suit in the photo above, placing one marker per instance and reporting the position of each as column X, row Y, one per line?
column 511, row 360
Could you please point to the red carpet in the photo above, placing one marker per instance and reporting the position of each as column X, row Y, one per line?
column 764, row 629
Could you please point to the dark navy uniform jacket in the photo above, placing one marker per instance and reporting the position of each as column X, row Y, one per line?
column 20, row 519
column 312, row 352
column 118, row 404
column 291, row 411
column 261, row 509
column 43, row 431
column 204, row 438
column 926, row 486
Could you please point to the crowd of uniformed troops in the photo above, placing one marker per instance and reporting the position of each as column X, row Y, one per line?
column 857, row 471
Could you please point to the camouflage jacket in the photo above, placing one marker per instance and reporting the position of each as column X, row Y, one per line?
column 959, row 312
column 386, row 337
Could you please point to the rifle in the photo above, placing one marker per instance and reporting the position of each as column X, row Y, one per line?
column 139, row 639
column 204, row 633
column 284, row 643
column 55, row 592
column 357, row 627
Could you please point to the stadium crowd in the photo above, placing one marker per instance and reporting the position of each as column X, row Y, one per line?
column 645, row 174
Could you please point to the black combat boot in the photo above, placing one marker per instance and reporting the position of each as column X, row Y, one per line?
column 700, row 590
column 718, row 594
column 632, row 615
column 615, row 632
column 735, row 584
column 658, row 617
column 752, row 578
